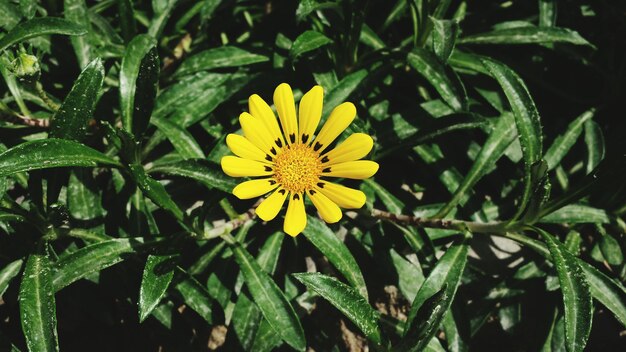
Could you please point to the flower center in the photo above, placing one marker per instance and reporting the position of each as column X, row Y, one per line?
column 297, row 168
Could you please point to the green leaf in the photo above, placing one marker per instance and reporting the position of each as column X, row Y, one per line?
column 139, row 76
column 444, row 36
column 91, row 259
column 434, row 129
column 444, row 80
column 207, row 173
column 342, row 91
column 183, row 141
column 157, row 275
column 154, row 190
column 71, row 120
column 246, row 315
column 127, row 19
column 606, row 290
column 547, row 13
column 195, row 295
column 410, row 276
column 28, row 8
column 37, row 306
column 527, row 35
column 576, row 295
column 502, row 135
column 76, row 11
column 563, row 143
column 48, row 153
column 426, row 322
column 345, row 298
column 370, row 38
column 526, row 120
column 37, row 27
column 8, row 273
column 83, row 198
column 161, row 16
column 575, row 214
column 337, row 253
column 270, row 299
column 447, row 272
column 594, row 139
column 308, row 41
column 225, row 56
column 611, row 250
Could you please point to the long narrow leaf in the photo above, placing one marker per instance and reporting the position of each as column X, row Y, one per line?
column 526, row 120
column 576, row 294
column 37, row 305
column 40, row 26
column 270, row 299
column 48, row 153
column 337, row 253
column 347, row 300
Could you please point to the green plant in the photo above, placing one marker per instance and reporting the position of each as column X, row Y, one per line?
column 496, row 217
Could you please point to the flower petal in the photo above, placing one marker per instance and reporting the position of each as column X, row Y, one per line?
column 340, row 118
column 255, row 131
column 359, row 170
column 270, row 207
column 295, row 219
column 237, row 167
column 286, row 108
column 343, row 196
column 309, row 113
column 242, row 147
column 329, row 211
column 353, row 148
column 259, row 109
column 254, row 188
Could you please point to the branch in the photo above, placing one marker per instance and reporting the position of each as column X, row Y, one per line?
column 448, row 224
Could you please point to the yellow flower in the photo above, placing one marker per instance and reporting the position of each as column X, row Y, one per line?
column 296, row 162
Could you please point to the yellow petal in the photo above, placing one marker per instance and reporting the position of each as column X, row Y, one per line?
column 309, row 113
column 237, row 167
column 242, row 147
column 343, row 196
column 295, row 219
column 353, row 148
column 286, row 108
column 255, row 131
column 270, row 207
column 329, row 211
column 254, row 188
column 340, row 118
column 359, row 170
column 259, row 109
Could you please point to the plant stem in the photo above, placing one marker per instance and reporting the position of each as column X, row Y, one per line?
column 44, row 96
column 449, row 224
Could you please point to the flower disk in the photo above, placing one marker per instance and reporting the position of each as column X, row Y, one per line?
column 293, row 161
column 297, row 168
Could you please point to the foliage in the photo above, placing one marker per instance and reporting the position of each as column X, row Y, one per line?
column 496, row 220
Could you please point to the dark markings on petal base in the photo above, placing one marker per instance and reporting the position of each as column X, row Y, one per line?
column 282, row 191
column 296, row 196
column 317, row 147
column 278, row 143
column 325, row 159
column 272, row 182
column 326, row 170
column 267, row 168
column 273, row 151
column 320, row 184
column 305, row 137
column 312, row 192
column 292, row 138
column 268, row 157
